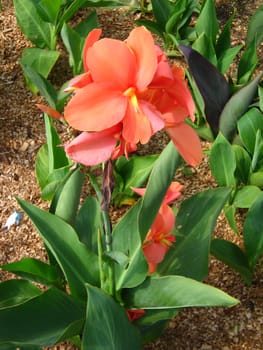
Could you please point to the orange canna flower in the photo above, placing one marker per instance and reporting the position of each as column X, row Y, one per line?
column 159, row 239
column 130, row 85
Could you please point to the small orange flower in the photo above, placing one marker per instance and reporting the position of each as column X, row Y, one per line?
column 159, row 239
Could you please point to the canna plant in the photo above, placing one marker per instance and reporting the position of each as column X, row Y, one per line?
column 107, row 284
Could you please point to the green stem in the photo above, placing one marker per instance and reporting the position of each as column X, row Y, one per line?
column 108, row 235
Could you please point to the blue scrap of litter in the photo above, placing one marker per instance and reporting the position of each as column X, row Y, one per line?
column 14, row 219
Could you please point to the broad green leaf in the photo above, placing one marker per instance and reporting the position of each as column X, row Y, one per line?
column 207, row 21
column 223, row 42
column 257, row 159
column 161, row 12
column 42, row 61
column 230, row 254
column 68, row 201
column 246, row 196
column 195, row 223
column 151, row 26
column 115, row 330
column 175, row 292
column 88, row 222
column 204, row 45
column 160, row 179
column 177, row 13
column 53, row 181
column 87, row 24
column 57, row 157
column 49, row 10
column 59, row 316
column 255, row 27
column 133, row 173
column 248, row 125
column 260, row 94
column 78, row 264
column 243, row 164
column 222, row 162
column 126, row 239
column 230, row 212
column 41, row 165
column 256, row 179
column 74, row 44
column 236, row 107
column 45, row 88
column 34, row 28
column 247, row 64
column 14, row 292
column 227, row 58
column 35, row 270
column 253, row 232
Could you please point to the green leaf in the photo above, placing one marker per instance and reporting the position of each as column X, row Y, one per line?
column 59, row 317
column 243, row 164
column 246, row 196
column 40, row 60
column 74, row 44
column 31, row 24
column 126, row 239
column 68, row 201
column 195, row 223
column 35, row 270
column 227, row 58
column 53, row 181
column 247, row 64
column 204, row 45
column 49, row 10
column 222, row 162
column 87, row 24
column 161, row 12
column 255, row 27
column 248, row 125
column 115, row 330
column 78, row 264
column 236, row 107
column 45, row 88
column 252, row 232
column 260, row 94
column 41, row 166
column 223, row 42
column 88, row 222
column 233, row 256
column 133, row 173
column 230, row 212
column 160, row 179
column 175, row 292
column 14, row 292
column 207, row 21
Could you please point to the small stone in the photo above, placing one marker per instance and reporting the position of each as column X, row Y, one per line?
column 24, row 147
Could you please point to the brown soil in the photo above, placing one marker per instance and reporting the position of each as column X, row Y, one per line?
column 22, row 133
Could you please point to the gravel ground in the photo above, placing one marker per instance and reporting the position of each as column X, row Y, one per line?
column 22, row 133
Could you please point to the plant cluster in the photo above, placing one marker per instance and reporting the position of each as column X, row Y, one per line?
column 116, row 285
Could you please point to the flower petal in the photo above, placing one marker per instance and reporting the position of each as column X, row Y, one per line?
column 142, row 45
column 153, row 115
column 92, row 37
column 110, row 60
column 173, row 192
column 136, row 126
column 92, row 148
column 95, row 107
column 155, row 252
column 187, row 143
column 79, row 82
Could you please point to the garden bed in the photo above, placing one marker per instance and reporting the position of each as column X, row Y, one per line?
column 22, row 133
